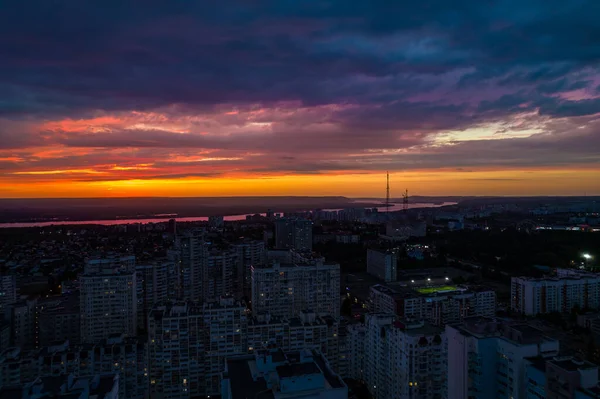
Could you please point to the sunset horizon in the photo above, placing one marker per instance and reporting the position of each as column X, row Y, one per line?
column 297, row 100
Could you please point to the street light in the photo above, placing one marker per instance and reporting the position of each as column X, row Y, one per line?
column 587, row 256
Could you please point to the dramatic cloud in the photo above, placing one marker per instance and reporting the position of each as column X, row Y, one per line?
column 122, row 91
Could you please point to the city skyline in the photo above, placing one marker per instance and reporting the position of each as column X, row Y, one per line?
column 313, row 98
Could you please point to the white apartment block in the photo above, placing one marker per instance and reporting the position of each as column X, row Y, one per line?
column 401, row 359
column 108, row 304
column 438, row 309
column 382, row 264
column 284, row 290
column 486, row 358
column 532, row 296
column 188, row 345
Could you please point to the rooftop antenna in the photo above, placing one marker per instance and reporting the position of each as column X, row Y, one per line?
column 405, row 201
column 387, row 193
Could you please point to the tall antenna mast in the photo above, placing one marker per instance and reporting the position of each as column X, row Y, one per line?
column 387, row 193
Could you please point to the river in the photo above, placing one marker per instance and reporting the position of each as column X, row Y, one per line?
column 165, row 218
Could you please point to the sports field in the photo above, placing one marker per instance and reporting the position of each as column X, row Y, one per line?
column 431, row 290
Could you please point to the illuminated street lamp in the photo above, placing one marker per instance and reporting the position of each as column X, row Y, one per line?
column 587, row 257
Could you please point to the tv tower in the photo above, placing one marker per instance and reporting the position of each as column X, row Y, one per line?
column 387, row 193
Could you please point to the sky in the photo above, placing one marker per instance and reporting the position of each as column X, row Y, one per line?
column 252, row 97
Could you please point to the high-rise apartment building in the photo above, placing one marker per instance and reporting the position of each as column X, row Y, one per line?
column 487, row 358
column 382, row 264
column 193, row 259
column 249, row 253
column 58, row 319
column 22, row 320
column 307, row 331
column 293, row 234
column 532, row 296
column 400, row 359
column 108, row 303
column 189, row 344
column 8, row 292
column 221, row 275
column 285, row 289
column 420, row 366
column 355, row 340
column 154, row 285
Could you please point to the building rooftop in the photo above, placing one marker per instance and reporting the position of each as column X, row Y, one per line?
column 297, row 369
column 538, row 362
column 259, row 375
column 570, row 364
column 417, row 328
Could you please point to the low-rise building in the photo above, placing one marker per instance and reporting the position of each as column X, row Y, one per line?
column 276, row 374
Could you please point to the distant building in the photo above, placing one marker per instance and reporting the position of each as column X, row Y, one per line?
column 285, row 289
column 172, row 227
column 532, row 296
column 487, row 358
column 216, row 221
column 276, row 374
column 293, row 234
column 402, row 229
column 382, row 264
